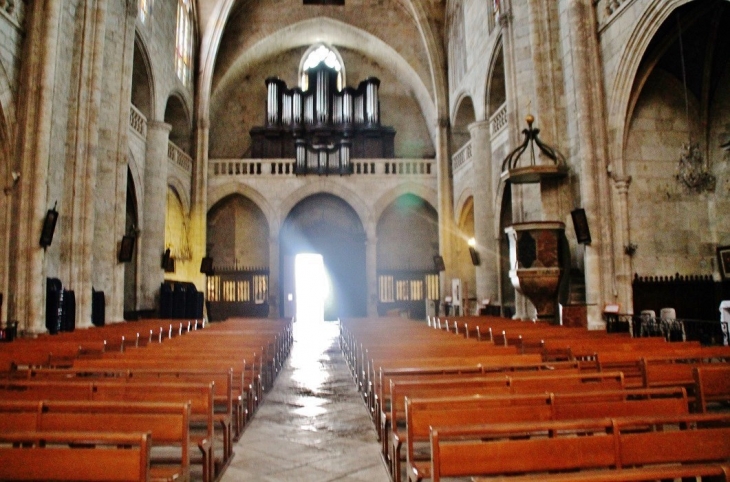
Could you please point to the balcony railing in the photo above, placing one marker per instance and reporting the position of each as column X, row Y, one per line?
column 138, row 122
column 179, row 157
column 462, row 157
column 498, row 121
column 287, row 167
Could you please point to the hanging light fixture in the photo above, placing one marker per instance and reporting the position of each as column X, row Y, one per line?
column 692, row 170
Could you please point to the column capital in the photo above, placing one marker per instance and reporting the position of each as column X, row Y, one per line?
column 159, row 126
column 481, row 126
column 622, row 183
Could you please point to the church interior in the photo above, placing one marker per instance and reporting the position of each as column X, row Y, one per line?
column 183, row 178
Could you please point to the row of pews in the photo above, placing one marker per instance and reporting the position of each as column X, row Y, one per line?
column 497, row 399
column 146, row 400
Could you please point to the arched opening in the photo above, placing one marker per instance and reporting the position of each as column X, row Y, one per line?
column 465, row 268
column 177, row 236
column 317, row 54
column 496, row 91
column 141, row 81
column 677, row 126
column 238, row 242
column 407, row 243
column 177, row 116
column 505, row 284
column 325, row 224
column 130, row 267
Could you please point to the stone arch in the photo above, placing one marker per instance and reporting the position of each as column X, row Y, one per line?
column 215, row 195
column 216, row 23
column 328, row 225
column 421, row 191
column 177, row 223
column 304, row 32
column 464, row 198
column 243, row 238
column 465, row 269
column 181, row 191
column 323, row 187
column 177, row 114
column 495, row 88
column 463, row 116
column 143, row 85
column 136, row 176
column 619, row 99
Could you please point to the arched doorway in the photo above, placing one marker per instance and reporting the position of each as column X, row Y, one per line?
column 130, row 268
column 325, row 224
column 407, row 242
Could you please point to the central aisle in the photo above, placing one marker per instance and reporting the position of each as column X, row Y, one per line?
column 313, row 425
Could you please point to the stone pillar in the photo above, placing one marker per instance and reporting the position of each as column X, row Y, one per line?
column 591, row 153
column 26, row 300
column 274, row 288
column 371, row 270
column 199, row 200
column 79, row 206
column 445, row 205
column 487, row 273
column 623, row 238
column 152, row 236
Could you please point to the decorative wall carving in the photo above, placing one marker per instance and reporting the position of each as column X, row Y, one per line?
column 692, row 171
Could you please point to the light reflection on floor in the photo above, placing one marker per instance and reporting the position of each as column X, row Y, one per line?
column 313, row 424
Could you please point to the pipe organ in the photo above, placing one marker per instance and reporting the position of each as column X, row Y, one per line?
column 321, row 127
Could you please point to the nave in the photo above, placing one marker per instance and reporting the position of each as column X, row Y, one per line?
column 313, row 424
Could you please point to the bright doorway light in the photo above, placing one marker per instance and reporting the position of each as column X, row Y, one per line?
column 311, row 287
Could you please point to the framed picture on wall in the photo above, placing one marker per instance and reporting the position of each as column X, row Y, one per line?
column 723, row 260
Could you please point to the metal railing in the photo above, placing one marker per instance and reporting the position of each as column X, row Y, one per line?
column 707, row 332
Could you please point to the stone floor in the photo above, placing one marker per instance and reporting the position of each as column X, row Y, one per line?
column 313, row 424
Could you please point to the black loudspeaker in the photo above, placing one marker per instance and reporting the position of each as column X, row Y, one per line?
column 206, row 266
column 49, row 226
column 165, row 259
column 580, row 224
column 475, row 258
column 126, row 249
column 438, row 262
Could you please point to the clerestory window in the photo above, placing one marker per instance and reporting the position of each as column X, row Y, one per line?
column 184, row 42
column 145, row 9
column 316, row 55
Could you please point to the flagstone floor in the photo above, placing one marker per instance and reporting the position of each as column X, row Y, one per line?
column 313, row 424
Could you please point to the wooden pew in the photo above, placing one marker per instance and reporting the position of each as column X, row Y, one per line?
column 168, row 424
column 712, row 385
column 519, row 383
column 75, row 456
column 423, row 413
column 199, row 395
column 714, row 472
column 609, row 444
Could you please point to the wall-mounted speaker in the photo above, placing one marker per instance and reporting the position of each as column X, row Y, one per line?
column 475, row 258
column 438, row 262
column 206, row 266
column 580, row 224
column 49, row 226
column 126, row 249
column 165, row 259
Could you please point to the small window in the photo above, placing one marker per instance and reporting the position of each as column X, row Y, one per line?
column 145, row 9
column 316, row 55
column 184, row 42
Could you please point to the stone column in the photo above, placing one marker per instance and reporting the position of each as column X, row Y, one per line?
column 80, row 203
column 152, row 236
column 592, row 148
column 199, row 200
column 487, row 241
column 26, row 300
column 623, row 238
column 445, row 205
column 274, row 288
column 371, row 270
